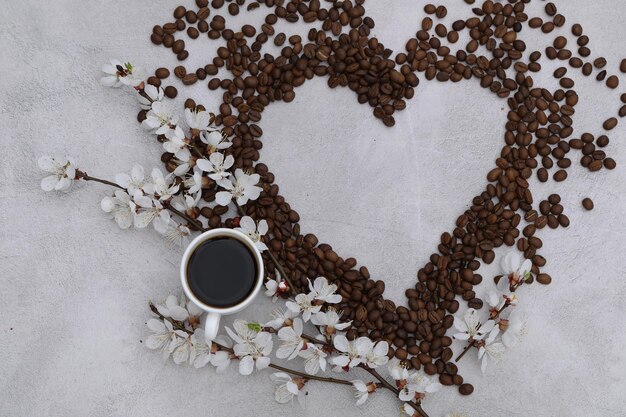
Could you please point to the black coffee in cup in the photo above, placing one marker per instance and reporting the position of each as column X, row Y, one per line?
column 222, row 272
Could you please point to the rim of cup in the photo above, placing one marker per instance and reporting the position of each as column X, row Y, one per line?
column 208, row 235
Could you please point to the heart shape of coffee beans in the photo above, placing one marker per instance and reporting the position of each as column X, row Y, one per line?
column 538, row 125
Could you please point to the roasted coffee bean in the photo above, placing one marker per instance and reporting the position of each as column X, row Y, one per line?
column 542, row 174
column 599, row 62
column 190, row 79
column 192, row 32
column 179, row 46
column 162, row 73
column 180, row 71
column 154, row 81
column 170, row 91
column 554, row 199
column 609, row 163
column 612, row 82
column 610, row 123
column 466, row 389
column 179, row 12
column 544, row 279
column 588, row 203
column 560, row 175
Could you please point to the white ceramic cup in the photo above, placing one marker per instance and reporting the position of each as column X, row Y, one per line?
column 215, row 313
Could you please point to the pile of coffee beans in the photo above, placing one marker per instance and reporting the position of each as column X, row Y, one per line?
column 538, row 140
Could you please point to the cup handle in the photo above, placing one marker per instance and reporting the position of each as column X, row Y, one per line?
column 211, row 326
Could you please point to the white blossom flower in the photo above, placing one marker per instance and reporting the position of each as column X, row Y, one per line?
column 120, row 207
column 243, row 333
column 304, row 304
column 324, row 291
column 490, row 351
column 204, row 354
column 377, row 355
column 314, row 359
column 154, row 94
column 516, row 270
column 160, row 119
column 292, row 341
column 133, row 182
column 275, row 287
column 161, row 186
column 329, row 321
column 176, row 142
column 215, row 140
column 287, row 387
column 397, row 370
column 197, row 119
column 186, row 202
column 217, row 165
column 178, row 309
column 362, row 390
column 193, row 183
column 470, row 327
column 181, row 347
column 351, row 352
column 176, row 234
column 255, row 231
column 281, row 318
column 200, row 354
column 117, row 74
column 256, row 352
column 417, row 385
column 63, row 172
column 252, row 348
column 514, row 327
column 163, row 332
column 151, row 211
column 242, row 188
column 497, row 301
column 183, row 161
column 221, row 360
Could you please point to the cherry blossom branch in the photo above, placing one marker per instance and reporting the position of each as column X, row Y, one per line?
column 414, row 404
column 197, row 224
column 472, row 342
column 84, row 176
column 383, row 382
column 178, row 326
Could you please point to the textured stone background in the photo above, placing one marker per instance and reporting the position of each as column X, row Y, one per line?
column 74, row 287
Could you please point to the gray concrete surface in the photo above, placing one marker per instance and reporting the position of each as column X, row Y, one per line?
column 74, row 287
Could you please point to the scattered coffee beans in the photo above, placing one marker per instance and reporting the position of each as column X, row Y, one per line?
column 341, row 48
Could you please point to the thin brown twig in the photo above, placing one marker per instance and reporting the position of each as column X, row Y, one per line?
column 196, row 223
column 83, row 176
